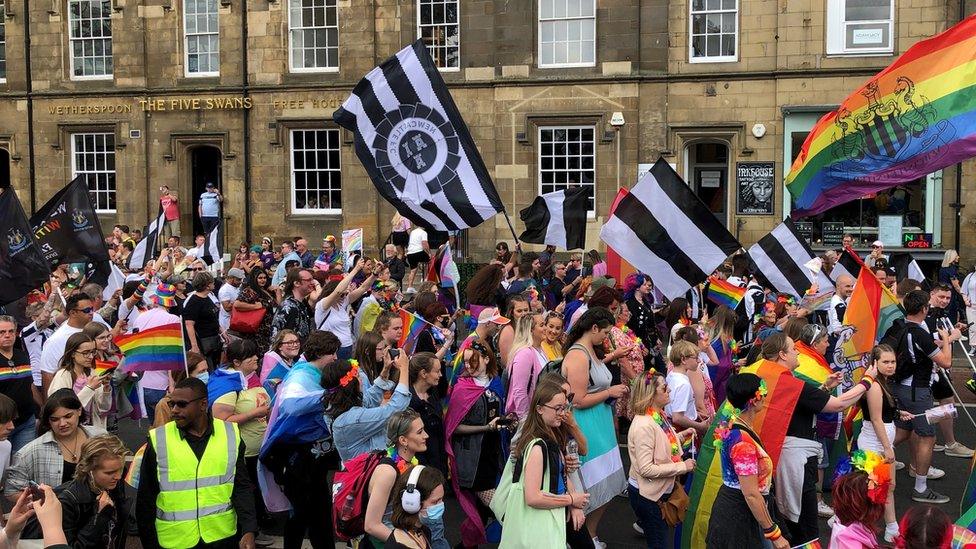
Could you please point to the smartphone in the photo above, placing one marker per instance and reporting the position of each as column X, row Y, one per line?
column 35, row 491
column 394, row 353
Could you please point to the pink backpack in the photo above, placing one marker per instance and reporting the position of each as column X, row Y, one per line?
column 349, row 495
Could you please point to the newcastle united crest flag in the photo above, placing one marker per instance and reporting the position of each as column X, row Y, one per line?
column 67, row 229
column 23, row 267
column 414, row 144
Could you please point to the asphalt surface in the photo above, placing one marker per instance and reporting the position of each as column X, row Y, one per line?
column 616, row 527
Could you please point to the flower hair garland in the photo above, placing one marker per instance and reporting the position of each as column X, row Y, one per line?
column 761, row 393
column 872, row 464
column 352, row 374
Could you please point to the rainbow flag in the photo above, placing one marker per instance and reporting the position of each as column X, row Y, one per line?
column 963, row 531
column 721, row 292
column 102, row 366
column 815, row 544
column 813, row 366
column 412, row 326
column 159, row 348
column 871, row 310
column 132, row 475
column 916, row 116
column 770, row 424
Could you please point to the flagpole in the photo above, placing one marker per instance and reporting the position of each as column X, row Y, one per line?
column 511, row 227
column 959, row 400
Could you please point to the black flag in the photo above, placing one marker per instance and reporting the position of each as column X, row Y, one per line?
column 23, row 267
column 557, row 218
column 67, row 229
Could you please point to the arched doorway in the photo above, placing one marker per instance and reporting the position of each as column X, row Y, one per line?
column 4, row 168
column 708, row 175
column 205, row 167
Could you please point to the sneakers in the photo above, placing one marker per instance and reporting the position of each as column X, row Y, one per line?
column 934, row 472
column 263, row 540
column 938, row 448
column 638, row 529
column 929, row 496
column 957, row 449
column 971, row 385
column 599, row 544
column 899, row 465
column 824, row 510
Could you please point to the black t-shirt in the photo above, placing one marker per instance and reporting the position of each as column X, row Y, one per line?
column 203, row 312
column 811, row 402
column 16, row 382
column 918, row 346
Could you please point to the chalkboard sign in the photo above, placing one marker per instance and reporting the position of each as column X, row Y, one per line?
column 805, row 228
column 832, row 233
column 755, row 183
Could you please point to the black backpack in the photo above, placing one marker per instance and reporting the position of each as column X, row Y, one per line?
column 895, row 337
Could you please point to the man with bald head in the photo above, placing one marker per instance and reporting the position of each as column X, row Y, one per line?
column 838, row 305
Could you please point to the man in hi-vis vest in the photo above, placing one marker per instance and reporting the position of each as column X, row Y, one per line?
column 194, row 489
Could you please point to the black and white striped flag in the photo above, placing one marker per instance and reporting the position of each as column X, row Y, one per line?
column 146, row 248
column 779, row 259
column 665, row 231
column 906, row 267
column 213, row 248
column 557, row 218
column 415, row 146
column 848, row 263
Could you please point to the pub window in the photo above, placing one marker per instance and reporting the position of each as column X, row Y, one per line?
column 438, row 26
column 314, row 27
column 567, row 33
column 202, row 37
column 567, row 158
column 3, row 41
column 90, row 37
column 860, row 26
column 316, row 178
column 93, row 157
column 714, row 31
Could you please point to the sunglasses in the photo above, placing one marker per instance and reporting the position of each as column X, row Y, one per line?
column 86, row 310
column 183, row 403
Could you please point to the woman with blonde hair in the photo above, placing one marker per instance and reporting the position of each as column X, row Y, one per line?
column 93, row 504
column 525, row 363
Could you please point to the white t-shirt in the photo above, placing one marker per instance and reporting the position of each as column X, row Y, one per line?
column 226, row 293
column 682, row 397
column 54, row 347
column 209, row 205
column 416, row 242
column 338, row 321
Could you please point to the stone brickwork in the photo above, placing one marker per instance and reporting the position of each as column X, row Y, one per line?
column 642, row 70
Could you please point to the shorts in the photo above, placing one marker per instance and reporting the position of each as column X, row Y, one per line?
column 400, row 238
column 868, row 439
column 416, row 258
column 941, row 389
column 918, row 405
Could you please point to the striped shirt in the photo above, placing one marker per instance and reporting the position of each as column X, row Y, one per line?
column 34, row 339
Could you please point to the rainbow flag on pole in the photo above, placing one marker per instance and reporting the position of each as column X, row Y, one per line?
column 915, row 117
column 159, row 348
column 871, row 310
column 412, row 326
column 770, row 424
column 721, row 292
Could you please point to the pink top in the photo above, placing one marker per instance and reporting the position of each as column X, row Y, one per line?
column 523, row 373
column 170, row 207
column 855, row 536
column 600, row 269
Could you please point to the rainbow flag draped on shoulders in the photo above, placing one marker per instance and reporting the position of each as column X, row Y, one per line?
column 871, row 310
column 915, row 117
column 813, row 366
column 159, row 348
column 770, row 424
column 721, row 292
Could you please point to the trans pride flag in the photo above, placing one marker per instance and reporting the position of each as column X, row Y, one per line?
column 913, row 118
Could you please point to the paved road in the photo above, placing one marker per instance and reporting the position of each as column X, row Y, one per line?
column 616, row 529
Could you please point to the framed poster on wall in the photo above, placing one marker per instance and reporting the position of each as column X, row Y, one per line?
column 755, row 185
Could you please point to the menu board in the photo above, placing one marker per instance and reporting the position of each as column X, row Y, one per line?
column 832, row 233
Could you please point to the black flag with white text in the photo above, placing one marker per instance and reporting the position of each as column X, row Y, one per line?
column 23, row 267
column 415, row 146
column 67, row 229
column 557, row 218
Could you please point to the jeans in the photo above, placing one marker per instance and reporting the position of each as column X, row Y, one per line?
column 649, row 518
column 22, row 434
column 344, row 353
column 437, row 540
column 152, row 398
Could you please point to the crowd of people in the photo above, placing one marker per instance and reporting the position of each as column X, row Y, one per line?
column 305, row 404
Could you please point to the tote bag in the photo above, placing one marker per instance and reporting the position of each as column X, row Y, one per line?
column 524, row 526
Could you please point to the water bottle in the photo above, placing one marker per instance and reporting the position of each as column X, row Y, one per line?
column 572, row 449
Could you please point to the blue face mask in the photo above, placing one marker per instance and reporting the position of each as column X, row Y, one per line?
column 203, row 377
column 435, row 512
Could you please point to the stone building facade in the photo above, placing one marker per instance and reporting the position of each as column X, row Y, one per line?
column 242, row 94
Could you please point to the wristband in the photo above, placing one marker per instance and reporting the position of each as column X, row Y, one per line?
column 773, row 535
column 868, row 378
column 770, row 530
column 866, row 384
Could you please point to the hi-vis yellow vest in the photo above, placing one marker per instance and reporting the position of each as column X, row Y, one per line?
column 194, row 500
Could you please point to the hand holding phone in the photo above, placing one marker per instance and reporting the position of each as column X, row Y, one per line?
column 35, row 491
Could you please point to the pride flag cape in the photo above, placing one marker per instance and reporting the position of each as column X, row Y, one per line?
column 770, row 424
column 967, row 522
column 721, row 292
column 159, row 348
column 412, row 326
column 871, row 310
column 813, row 366
column 914, row 117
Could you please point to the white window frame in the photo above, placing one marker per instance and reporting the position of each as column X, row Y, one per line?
column 540, row 22
column 836, row 31
column 291, row 170
column 420, row 28
column 3, row 39
column 590, row 214
column 717, row 58
column 75, row 172
column 186, row 43
column 72, row 39
column 291, row 48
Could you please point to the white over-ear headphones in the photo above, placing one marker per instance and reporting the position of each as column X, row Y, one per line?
column 410, row 499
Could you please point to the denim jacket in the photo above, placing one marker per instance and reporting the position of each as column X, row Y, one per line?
column 363, row 428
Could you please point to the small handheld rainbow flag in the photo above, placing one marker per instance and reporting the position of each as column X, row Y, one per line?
column 413, row 325
column 725, row 293
column 815, row 544
column 103, row 366
column 159, row 348
column 132, row 476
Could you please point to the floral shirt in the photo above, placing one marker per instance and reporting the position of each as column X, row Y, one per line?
column 742, row 455
column 294, row 315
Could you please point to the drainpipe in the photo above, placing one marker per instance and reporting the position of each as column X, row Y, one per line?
column 958, row 205
column 245, row 93
column 32, row 175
